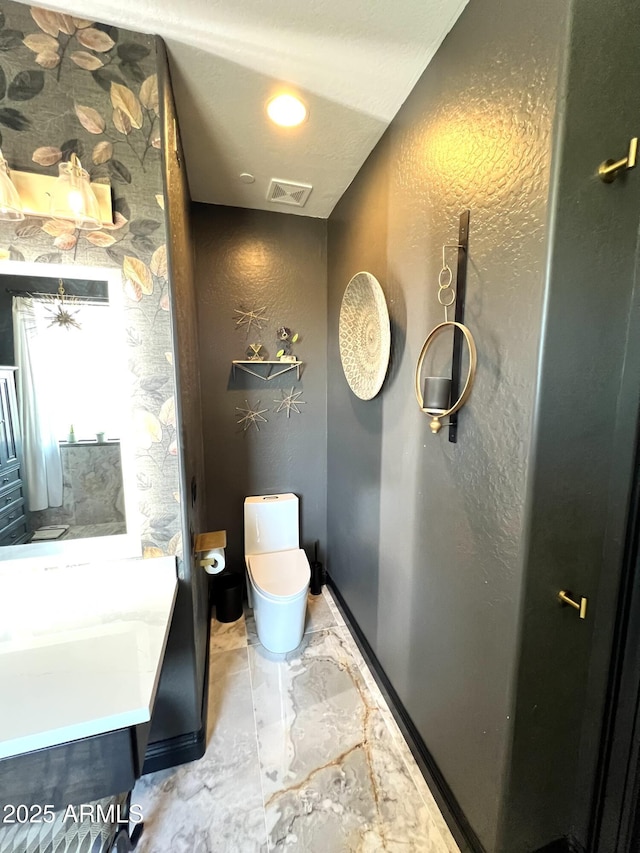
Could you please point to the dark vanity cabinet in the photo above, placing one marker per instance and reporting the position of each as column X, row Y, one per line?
column 13, row 520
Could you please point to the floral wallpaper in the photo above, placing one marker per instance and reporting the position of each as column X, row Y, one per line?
column 70, row 85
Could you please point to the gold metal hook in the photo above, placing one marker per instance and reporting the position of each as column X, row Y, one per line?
column 610, row 169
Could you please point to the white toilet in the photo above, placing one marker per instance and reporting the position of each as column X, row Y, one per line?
column 278, row 571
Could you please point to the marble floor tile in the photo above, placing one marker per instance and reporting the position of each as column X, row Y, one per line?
column 216, row 803
column 227, row 635
column 250, row 622
column 319, row 615
column 303, row 755
column 400, row 743
column 333, row 777
column 333, row 607
column 307, row 709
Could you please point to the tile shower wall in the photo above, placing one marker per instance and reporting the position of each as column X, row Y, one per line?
column 92, row 487
column 248, row 260
column 74, row 85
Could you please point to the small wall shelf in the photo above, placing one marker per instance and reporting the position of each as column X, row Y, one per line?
column 269, row 372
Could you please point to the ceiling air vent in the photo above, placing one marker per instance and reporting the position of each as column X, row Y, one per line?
column 286, row 192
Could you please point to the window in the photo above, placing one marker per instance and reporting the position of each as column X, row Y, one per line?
column 88, row 388
column 77, row 366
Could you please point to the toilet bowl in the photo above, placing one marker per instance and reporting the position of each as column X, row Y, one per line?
column 278, row 572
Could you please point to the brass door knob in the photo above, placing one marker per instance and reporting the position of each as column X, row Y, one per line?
column 581, row 606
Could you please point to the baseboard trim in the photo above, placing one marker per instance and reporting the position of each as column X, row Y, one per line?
column 174, row 751
column 461, row 829
column 562, row 845
column 186, row 747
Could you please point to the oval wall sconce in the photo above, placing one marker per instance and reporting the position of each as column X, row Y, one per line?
column 435, row 400
column 435, row 395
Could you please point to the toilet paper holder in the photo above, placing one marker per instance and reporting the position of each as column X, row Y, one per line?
column 206, row 546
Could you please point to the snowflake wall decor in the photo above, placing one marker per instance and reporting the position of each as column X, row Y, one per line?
column 290, row 402
column 251, row 318
column 248, row 416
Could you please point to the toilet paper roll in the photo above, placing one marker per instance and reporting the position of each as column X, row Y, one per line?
column 213, row 561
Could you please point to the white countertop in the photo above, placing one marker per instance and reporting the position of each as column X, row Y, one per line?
column 81, row 648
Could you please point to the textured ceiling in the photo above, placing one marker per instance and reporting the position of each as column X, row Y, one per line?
column 352, row 61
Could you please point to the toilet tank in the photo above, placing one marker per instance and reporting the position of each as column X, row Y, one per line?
column 270, row 523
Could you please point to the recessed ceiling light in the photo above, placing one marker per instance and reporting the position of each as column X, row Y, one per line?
column 246, row 178
column 286, row 110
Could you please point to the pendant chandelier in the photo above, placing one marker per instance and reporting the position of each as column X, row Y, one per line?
column 59, row 307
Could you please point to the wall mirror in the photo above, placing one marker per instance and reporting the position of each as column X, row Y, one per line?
column 62, row 327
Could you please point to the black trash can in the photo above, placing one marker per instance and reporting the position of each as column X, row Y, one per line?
column 228, row 596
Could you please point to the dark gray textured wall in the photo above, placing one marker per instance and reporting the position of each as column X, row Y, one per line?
column 426, row 536
column 247, row 260
column 179, row 704
column 357, row 239
column 586, row 419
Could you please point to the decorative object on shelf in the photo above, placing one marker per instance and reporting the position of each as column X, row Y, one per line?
column 289, row 402
column 248, row 416
column 364, row 335
column 71, row 438
column 272, row 368
column 59, row 307
column 255, row 352
column 434, row 398
column 100, row 437
column 286, row 338
column 251, row 318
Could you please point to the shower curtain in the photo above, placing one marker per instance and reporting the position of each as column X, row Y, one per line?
column 36, row 382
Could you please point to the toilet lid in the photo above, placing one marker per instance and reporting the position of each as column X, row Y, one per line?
column 281, row 574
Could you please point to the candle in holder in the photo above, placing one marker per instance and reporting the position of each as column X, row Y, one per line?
column 437, row 393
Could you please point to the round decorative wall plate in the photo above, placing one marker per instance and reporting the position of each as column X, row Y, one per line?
column 364, row 335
